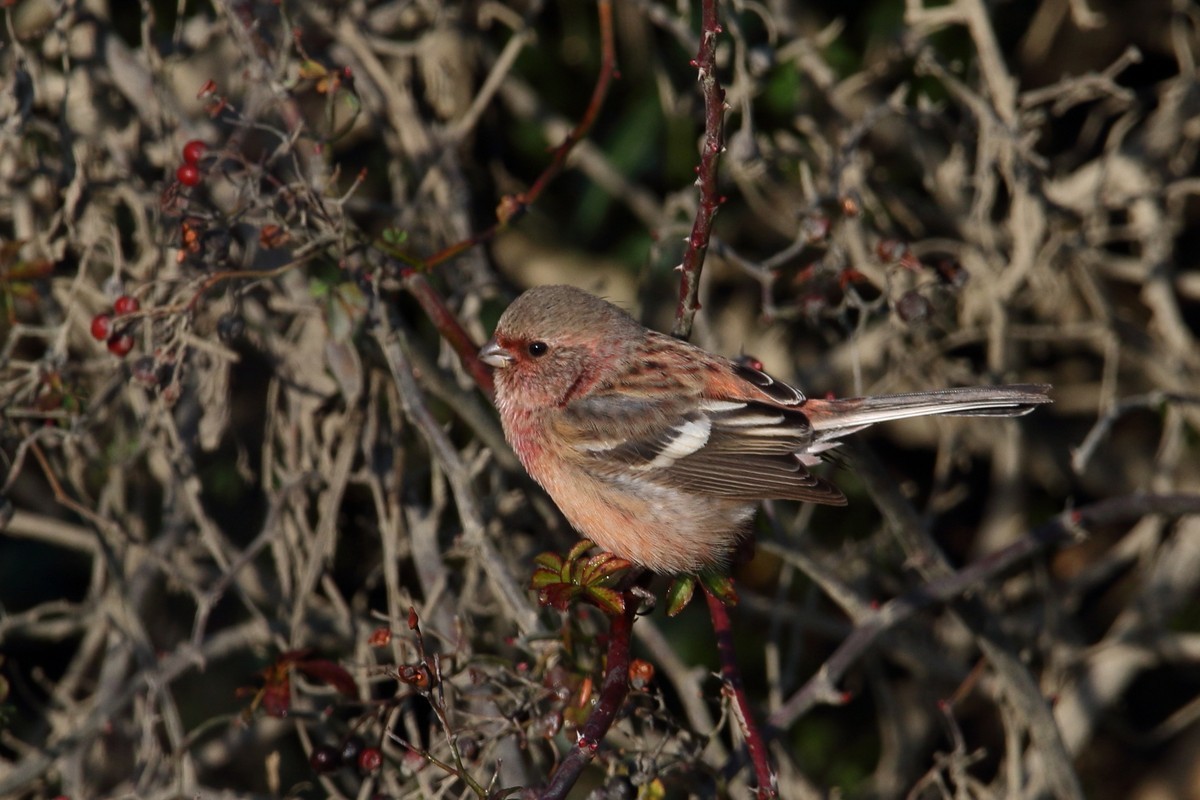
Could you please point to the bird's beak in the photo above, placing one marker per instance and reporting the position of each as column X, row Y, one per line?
column 494, row 355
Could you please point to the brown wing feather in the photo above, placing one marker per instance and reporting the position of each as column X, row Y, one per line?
column 734, row 449
column 749, row 477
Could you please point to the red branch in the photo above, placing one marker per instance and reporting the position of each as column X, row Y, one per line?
column 510, row 208
column 706, row 172
column 451, row 329
column 612, row 696
column 514, row 206
column 608, row 68
column 755, row 744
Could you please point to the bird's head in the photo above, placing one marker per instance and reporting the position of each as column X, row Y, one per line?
column 550, row 343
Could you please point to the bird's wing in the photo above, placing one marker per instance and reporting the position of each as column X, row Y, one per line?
column 738, row 449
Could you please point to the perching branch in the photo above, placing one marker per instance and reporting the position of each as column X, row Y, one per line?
column 612, row 695
column 755, row 743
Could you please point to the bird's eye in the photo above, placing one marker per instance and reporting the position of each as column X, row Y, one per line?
column 537, row 349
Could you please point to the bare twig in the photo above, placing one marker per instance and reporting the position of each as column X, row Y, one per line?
column 1063, row 528
column 516, row 605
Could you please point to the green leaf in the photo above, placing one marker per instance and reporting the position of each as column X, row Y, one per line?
column 679, row 594
column 310, row 69
column 720, row 585
column 552, row 561
column 603, row 567
column 610, row 601
column 581, row 547
column 395, row 236
column 543, row 577
column 560, row 581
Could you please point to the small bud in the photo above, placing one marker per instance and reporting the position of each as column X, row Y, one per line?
column 641, row 672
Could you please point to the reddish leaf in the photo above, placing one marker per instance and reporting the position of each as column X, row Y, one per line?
column 328, row 672
column 276, row 697
column 557, row 595
column 640, row 673
column 414, row 675
column 290, row 657
column 30, row 270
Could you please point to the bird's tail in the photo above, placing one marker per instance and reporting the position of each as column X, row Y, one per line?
column 832, row 419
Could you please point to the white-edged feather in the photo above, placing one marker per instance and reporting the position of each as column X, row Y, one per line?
column 688, row 438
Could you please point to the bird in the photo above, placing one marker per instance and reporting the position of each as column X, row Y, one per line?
column 659, row 451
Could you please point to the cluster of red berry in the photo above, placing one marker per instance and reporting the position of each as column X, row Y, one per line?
column 104, row 326
column 189, row 171
column 354, row 752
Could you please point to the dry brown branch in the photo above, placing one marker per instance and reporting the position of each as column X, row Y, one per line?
column 221, row 502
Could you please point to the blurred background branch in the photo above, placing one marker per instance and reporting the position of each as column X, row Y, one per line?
column 247, row 250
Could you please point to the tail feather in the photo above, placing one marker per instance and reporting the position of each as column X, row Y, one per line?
column 835, row 418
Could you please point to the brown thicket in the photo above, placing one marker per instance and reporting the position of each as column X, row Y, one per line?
column 286, row 520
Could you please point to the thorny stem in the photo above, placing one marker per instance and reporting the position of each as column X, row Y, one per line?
column 706, row 172
column 756, row 745
column 612, row 695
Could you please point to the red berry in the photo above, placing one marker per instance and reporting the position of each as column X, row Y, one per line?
column 188, row 175
column 193, row 151
column 370, row 759
column 325, row 758
column 101, row 327
column 119, row 344
column 126, row 305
